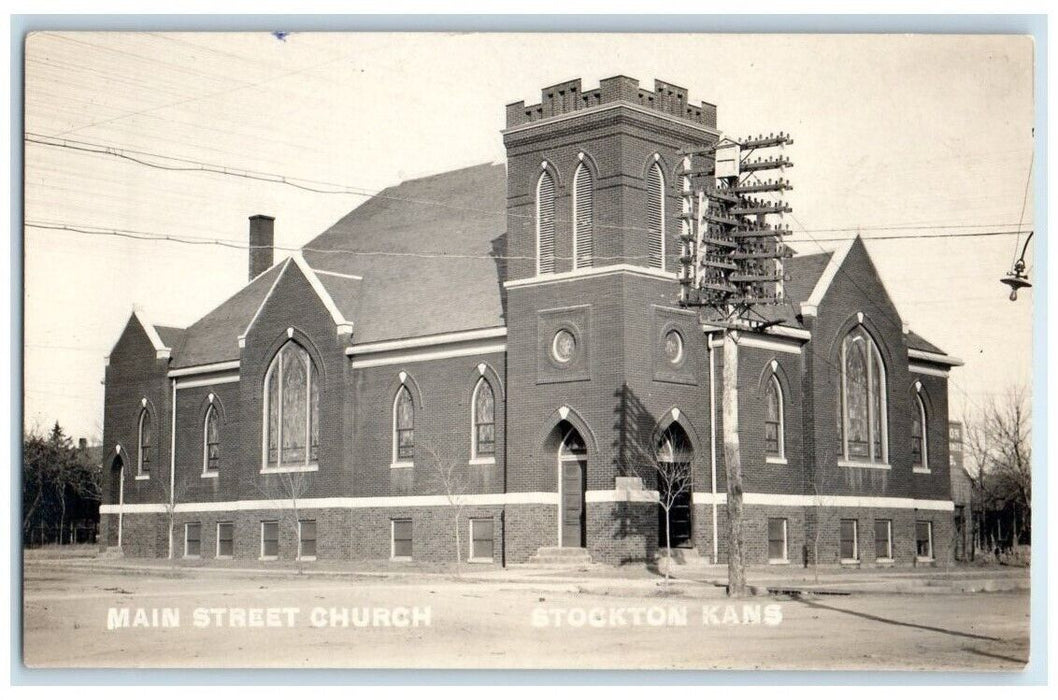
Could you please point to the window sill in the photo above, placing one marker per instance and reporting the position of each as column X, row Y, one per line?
column 210, row 475
column 288, row 470
column 921, row 470
column 482, row 460
column 924, row 560
column 850, row 562
column 192, row 556
column 479, row 560
column 142, row 477
column 775, row 460
column 224, row 556
column 402, row 465
column 884, row 560
column 400, row 558
column 778, row 561
column 863, row 465
column 263, row 558
column 306, row 558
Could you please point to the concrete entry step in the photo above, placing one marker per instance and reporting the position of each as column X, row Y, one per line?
column 564, row 557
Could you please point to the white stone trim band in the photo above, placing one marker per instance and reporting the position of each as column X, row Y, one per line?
column 477, row 499
column 538, row 498
column 808, row 501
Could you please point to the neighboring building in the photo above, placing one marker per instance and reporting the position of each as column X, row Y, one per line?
column 539, row 353
column 961, row 494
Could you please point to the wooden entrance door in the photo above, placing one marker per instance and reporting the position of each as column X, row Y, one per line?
column 572, row 470
column 573, row 502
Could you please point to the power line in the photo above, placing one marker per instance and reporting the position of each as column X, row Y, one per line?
column 324, row 187
column 1024, row 201
column 239, row 245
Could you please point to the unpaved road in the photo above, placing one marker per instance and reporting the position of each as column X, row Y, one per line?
column 500, row 624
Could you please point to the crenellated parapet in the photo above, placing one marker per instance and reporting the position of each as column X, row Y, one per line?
column 568, row 97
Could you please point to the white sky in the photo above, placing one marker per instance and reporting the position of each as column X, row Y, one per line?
column 889, row 132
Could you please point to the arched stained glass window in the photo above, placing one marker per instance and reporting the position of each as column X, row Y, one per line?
column 774, row 428
column 545, row 224
column 484, row 420
column 211, row 438
column 864, row 417
column 656, row 216
column 146, row 443
column 292, row 408
column 919, row 450
column 403, row 426
column 583, row 192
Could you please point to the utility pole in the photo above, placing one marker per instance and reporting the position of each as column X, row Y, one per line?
column 731, row 262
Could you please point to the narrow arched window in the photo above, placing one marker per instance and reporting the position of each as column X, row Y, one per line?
column 403, row 426
column 656, row 216
column 774, row 423
column 545, row 224
column 146, row 443
column 292, row 409
column 583, row 190
column 919, row 431
column 211, row 441
column 864, row 407
column 484, row 421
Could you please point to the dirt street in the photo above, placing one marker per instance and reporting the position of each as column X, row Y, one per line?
column 76, row 617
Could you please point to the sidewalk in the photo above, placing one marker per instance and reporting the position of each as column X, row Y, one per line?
column 697, row 581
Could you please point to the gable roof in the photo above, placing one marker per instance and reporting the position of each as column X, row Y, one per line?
column 427, row 251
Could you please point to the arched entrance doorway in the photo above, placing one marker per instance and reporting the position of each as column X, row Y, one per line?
column 674, row 455
column 572, row 482
column 116, row 495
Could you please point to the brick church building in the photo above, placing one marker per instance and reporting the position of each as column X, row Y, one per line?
column 520, row 346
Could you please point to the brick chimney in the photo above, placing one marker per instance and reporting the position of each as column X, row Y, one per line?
column 262, row 240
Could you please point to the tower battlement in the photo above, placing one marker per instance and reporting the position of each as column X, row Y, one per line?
column 568, row 97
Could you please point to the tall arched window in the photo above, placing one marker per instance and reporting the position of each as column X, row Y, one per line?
column 864, row 407
column 919, row 431
column 211, row 441
column 146, row 443
column 292, row 400
column 545, row 224
column 583, row 190
column 656, row 216
column 403, row 426
column 484, row 443
column 774, row 423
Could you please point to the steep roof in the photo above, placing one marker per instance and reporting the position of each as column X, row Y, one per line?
column 917, row 342
column 427, row 252
column 171, row 336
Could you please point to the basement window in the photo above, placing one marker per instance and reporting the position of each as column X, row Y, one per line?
column 849, row 550
column 192, row 540
column 777, row 542
column 225, row 540
column 270, row 539
column 307, row 540
column 924, row 540
column 883, row 540
column 481, row 540
column 400, row 539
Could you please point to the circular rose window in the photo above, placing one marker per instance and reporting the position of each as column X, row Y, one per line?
column 563, row 346
column 674, row 347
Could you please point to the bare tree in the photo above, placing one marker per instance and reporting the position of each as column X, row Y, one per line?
column 821, row 483
column 998, row 439
column 173, row 493
column 449, row 477
column 663, row 465
column 288, row 487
